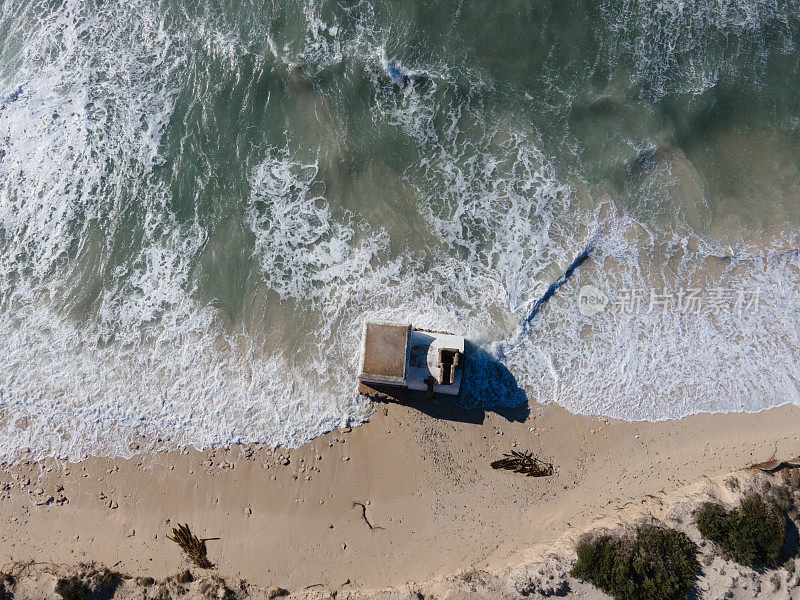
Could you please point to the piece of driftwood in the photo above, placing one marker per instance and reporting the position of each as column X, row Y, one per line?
column 773, row 465
column 364, row 513
column 525, row 463
column 193, row 546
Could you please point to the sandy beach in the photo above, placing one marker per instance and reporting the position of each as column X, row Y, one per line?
column 405, row 498
column 223, row 223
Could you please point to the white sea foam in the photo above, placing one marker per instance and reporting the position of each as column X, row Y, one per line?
column 106, row 345
column 677, row 45
column 304, row 250
column 80, row 147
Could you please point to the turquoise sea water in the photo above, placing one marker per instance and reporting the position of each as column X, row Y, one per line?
column 201, row 201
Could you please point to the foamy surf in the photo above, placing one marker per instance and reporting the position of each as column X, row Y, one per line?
column 199, row 207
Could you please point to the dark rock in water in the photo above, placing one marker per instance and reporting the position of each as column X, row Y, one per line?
column 395, row 73
column 579, row 260
column 402, row 77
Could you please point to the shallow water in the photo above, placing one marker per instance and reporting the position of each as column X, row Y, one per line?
column 200, row 203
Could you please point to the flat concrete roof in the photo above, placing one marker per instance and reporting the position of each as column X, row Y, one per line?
column 384, row 352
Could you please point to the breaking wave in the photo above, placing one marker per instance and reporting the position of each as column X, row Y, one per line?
column 200, row 205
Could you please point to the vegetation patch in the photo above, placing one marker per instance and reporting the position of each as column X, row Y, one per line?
column 185, row 577
column 752, row 534
column 655, row 564
column 72, row 588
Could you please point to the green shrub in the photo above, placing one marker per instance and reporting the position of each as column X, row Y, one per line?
column 72, row 588
column 712, row 521
column 656, row 564
column 752, row 534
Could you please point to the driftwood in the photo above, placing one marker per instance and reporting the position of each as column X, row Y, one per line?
column 525, row 463
column 193, row 546
column 364, row 515
column 773, row 465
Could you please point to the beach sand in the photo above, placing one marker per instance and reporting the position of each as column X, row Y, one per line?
column 430, row 505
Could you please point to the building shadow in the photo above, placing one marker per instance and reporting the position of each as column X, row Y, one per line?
column 487, row 386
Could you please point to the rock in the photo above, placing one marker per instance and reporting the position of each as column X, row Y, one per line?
column 248, row 511
column 278, row 592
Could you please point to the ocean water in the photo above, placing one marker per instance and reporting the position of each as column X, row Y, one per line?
column 200, row 202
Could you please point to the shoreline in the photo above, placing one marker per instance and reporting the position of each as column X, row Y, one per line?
column 433, row 505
